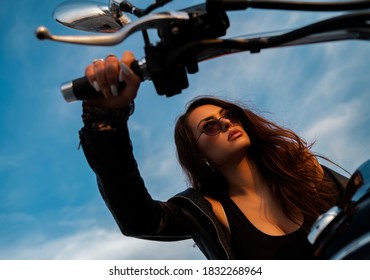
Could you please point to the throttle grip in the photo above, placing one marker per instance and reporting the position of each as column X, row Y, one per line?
column 81, row 89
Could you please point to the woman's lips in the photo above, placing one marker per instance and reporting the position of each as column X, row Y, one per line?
column 234, row 133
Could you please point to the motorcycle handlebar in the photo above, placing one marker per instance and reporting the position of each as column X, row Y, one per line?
column 169, row 74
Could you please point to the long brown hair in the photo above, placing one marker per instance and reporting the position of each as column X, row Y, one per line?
column 282, row 157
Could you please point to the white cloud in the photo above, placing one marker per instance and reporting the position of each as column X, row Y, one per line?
column 338, row 132
column 99, row 244
column 12, row 160
column 342, row 117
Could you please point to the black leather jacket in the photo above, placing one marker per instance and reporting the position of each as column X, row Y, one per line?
column 186, row 215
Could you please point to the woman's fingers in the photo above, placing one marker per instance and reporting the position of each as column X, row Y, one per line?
column 100, row 78
column 105, row 75
column 126, row 75
column 111, row 73
column 90, row 75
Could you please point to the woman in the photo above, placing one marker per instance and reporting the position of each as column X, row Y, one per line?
column 256, row 191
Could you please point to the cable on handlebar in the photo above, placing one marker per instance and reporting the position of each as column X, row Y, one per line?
column 128, row 7
column 157, row 4
column 357, row 24
column 229, row 5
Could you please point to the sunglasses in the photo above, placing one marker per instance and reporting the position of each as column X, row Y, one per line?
column 214, row 127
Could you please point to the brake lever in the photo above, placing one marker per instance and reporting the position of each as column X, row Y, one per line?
column 152, row 21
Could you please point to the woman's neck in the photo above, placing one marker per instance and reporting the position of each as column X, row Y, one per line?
column 244, row 178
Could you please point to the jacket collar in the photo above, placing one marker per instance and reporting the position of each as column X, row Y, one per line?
column 208, row 232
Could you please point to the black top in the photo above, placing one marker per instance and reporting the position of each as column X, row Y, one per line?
column 248, row 242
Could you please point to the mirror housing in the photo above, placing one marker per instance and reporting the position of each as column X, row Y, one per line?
column 91, row 16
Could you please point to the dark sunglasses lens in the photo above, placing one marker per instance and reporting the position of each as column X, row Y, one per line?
column 211, row 128
column 233, row 116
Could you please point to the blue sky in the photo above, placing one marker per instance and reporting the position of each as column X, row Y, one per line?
column 50, row 207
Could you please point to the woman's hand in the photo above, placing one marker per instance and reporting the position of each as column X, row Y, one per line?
column 104, row 76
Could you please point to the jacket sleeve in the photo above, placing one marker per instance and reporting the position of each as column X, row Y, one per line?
column 110, row 155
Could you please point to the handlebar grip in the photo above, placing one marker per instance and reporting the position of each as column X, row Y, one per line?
column 81, row 89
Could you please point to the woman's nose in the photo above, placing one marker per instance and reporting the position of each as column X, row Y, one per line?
column 225, row 124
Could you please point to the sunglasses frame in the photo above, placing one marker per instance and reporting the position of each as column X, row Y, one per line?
column 232, row 119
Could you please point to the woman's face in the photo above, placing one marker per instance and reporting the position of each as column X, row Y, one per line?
column 228, row 146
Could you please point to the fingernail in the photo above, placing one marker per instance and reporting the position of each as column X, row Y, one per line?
column 106, row 93
column 120, row 76
column 124, row 68
column 114, row 90
column 96, row 86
